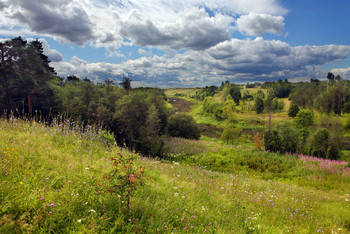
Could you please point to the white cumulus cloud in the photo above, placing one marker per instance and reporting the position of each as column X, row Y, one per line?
column 257, row 24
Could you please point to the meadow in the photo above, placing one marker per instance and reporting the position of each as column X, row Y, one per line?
column 62, row 178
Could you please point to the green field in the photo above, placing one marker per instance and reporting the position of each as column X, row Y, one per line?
column 54, row 179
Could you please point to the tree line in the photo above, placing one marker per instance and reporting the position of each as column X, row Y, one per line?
column 137, row 118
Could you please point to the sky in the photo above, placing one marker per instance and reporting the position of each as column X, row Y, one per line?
column 186, row 43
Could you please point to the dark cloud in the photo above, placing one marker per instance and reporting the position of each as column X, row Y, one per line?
column 2, row 5
column 259, row 57
column 62, row 19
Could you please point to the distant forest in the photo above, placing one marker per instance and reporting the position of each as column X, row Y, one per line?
column 140, row 118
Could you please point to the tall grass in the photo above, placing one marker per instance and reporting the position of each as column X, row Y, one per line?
column 57, row 181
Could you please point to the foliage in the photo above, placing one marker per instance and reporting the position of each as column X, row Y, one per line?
column 346, row 107
column 126, row 83
column 183, row 125
column 290, row 137
column 257, row 139
column 141, row 116
column 259, row 105
column 230, row 133
column 277, row 104
column 304, row 119
column 107, row 137
column 293, row 110
column 25, row 74
column 247, row 96
column 320, row 142
column 228, row 110
column 333, row 99
column 273, row 141
column 233, row 91
column 125, row 178
column 205, row 92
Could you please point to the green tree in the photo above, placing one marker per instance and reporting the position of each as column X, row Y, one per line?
column 304, row 120
column 228, row 110
column 320, row 143
column 277, row 105
column 273, row 141
column 126, row 83
column 259, row 105
column 230, row 133
column 330, row 77
column 152, row 143
column 293, row 110
column 234, row 91
column 183, row 125
column 25, row 72
column 290, row 137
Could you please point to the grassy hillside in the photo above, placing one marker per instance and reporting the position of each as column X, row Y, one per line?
column 59, row 180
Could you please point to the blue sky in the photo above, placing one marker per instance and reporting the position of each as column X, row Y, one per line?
column 189, row 43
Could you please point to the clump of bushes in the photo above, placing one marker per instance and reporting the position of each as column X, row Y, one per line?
column 183, row 125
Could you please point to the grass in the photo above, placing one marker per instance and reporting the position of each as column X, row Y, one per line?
column 54, row 179
column 185, row 93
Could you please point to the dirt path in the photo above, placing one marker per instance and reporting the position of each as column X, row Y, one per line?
column 185, row 106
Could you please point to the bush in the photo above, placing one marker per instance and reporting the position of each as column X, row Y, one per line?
column 293, row 110
column 259, row 105
column 290, row 136
column 346, row 107
column 304, row 119
column 183, row 125
column 273, row 141
column 320, row 143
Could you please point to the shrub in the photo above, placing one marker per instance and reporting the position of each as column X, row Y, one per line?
column 304, row 119
column 183, row 125
column 290, row 136
column 259, row 105
column 320, row 143
column 293, row 110
column 346, row 107
column 107, row 137
column 273, row 141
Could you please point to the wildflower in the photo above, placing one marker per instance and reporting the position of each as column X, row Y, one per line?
column 52, row 204
column 58, row 210
column 79, row 220
column 68, row 181
column 47, row 178
column 203, row 208
column 92, row 211
column 166, row 227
